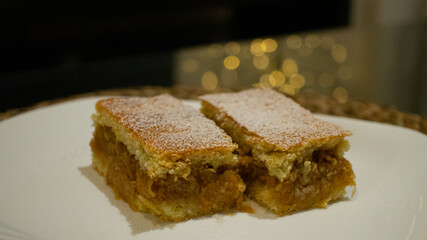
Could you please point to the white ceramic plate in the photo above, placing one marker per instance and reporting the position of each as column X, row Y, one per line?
column 48, row 189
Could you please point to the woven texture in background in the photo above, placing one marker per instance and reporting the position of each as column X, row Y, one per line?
column 314, row 102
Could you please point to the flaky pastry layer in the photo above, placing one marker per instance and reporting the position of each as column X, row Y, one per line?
column 165, row 135
column 272, row 128
column 290, row 160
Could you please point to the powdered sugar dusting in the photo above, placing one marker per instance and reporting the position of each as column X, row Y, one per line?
column 165, row 124
column 273, row 117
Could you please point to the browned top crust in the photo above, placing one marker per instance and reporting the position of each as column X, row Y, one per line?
column 276, row 119
column 165, row 125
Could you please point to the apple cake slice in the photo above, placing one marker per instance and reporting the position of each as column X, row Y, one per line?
column 292, row 160
column 165, row 158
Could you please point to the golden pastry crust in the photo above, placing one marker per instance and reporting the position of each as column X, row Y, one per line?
column 165, row 125
column 165, row 135
column 165, row 158
column 290, row 161
column 274, row 119
column 272, row 128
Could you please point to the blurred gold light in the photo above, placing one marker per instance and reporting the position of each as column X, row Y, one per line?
column 209, row 81
column 287, row 88
column 312, row 41
column 344, row 72
column 261, row 62
column 276, row 78
column 264, row 81
column 326, row 80
column 305, row 51
column 340, row 94
column 289, row 67
column 327, row 42
column 190, row 65
column 294, row 42
column 215, row 50
column 232, row 48
column 231, row 62
column 256, row 47
column 269, row 45
column 339, row 53
column 297, row 81
column 229, row 77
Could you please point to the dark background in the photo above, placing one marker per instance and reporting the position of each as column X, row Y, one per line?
column 52, row 49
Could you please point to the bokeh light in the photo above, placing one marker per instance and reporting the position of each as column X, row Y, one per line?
column 289, row 67
column 209, row 81
column 261, row 62
column 264, row 81
column 312, row 41
column 287, row 88
column 327, row 42
column 339, row 53
column 341, row 94
column 297, row 81
column 256, row 47
column 232, row 48
column 290, row 64
column 276, row 78
column 294, row 42
column 231, row 62
column 269, row 45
